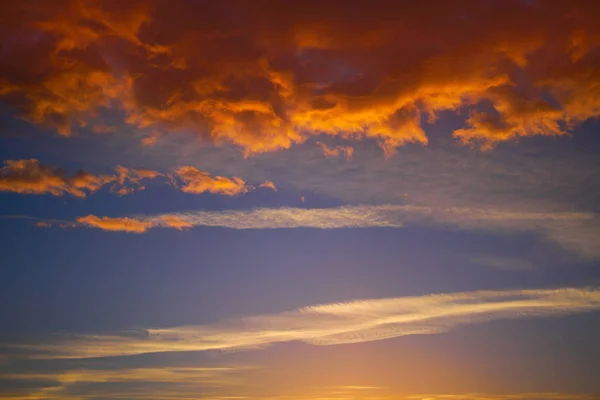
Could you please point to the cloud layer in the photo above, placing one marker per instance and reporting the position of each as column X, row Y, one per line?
column 332, row 324
column 265, row 75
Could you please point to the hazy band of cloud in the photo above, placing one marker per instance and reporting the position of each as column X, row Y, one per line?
column 174, row 382
column 515, row 396
column 332, row 324
column 576, row 231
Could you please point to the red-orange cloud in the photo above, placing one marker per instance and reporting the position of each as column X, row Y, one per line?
column 196, row 181
column 267, row 74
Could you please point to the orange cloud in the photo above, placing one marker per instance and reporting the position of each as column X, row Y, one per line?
column 127, row 177
column 346, row 151
column 115, row 224
column 268, row 184
column 340, row 69
column 173, row 221
column 102, row 128
column 29, row 176
column 197, row 182
column 149, row 140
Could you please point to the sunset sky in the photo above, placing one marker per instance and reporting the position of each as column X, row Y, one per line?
column 300, row 200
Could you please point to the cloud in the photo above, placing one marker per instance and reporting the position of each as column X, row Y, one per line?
column 269, row 185
column 336, row 151
column 246, row 79
column 149, row 140
column 504, row 263
column 196, row 181
column 515, row 396
column 103, row 128
column 180, row 382
column 333, row 324
column 31, row 177
column 576, row 232
column 129, row 180
column 173, row 221
column 115, row 224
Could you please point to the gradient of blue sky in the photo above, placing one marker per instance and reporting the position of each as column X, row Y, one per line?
column 487, row 252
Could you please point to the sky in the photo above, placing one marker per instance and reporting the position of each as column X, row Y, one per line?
column 316, row 200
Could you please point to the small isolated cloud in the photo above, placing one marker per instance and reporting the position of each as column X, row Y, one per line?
column 269, row 185
column 334, row 324
column 196, row 181
column 149, row 140
column 115, row 224
column 32, row 177
column 346, row 151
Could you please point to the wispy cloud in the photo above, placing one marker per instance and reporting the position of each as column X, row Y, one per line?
column 578, row 232
column 164, row 382
column 115, row 224
column 333, row 324
column 513, row 396
column 336, row 151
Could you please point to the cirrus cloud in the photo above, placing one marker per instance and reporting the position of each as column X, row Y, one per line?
column 333, row 324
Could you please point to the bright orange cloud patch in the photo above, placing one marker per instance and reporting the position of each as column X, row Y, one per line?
column 196, row 181
column 32, row 177
column 173, row 221
column 115, row 224
column 274, row 73
column 29, row 176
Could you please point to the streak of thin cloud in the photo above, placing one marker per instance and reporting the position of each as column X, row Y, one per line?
column 576, row 231
column 333, row 324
